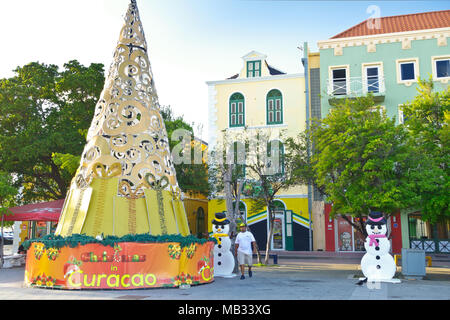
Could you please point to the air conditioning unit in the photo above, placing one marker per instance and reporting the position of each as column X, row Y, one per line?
column 413, row 263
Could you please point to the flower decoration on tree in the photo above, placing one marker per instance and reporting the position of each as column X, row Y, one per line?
column 190, row 251
column 53, row 253
column 174, row 251
column 38, row 250
column 44, row 281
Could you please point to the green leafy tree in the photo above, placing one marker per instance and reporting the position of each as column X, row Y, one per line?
column 68, row 163
column 8, row 194
column 192, row 175
column 7, row 200
column 45, row 111
column 360, row 161
column 427, row 119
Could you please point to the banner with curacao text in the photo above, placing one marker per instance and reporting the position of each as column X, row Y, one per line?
column 126, row 265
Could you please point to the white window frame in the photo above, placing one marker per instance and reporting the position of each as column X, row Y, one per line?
column 415, row 62
column 379, row 65
column 434, row 59
column 347, row 78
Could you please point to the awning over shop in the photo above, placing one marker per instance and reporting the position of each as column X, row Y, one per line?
column 44, row 211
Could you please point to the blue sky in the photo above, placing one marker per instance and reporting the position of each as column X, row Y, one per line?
column 190, row 41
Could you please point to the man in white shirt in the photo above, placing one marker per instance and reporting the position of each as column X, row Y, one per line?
column 243, row 249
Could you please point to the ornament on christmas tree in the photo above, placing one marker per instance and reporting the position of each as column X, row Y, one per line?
column 126, row 182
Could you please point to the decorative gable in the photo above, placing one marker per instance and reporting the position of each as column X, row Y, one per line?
column 254, row 65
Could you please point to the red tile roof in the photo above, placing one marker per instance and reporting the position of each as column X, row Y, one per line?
column 402, row 23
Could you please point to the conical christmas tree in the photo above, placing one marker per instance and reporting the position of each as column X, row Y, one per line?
column 126, row 182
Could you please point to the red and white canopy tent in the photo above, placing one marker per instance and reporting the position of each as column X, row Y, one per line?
column 44, row 211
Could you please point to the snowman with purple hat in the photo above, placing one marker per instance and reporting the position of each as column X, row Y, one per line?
column 377, row 264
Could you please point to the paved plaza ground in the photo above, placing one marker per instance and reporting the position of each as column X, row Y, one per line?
column 298, row 276
column 291, row 279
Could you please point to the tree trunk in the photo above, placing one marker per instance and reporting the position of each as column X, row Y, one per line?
column 269, row 238
column 232, row 210
column 258, row 254
column 58, row 179
column 359, row 227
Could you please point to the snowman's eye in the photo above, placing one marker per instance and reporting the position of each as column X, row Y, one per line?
column 372, row 227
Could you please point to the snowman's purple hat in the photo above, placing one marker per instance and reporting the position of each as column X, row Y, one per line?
column 376, row 218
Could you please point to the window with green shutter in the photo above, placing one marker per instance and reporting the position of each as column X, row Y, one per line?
column 237, row 110
column 280, row 162
column 253, row 69
column 239, row 158
column 274, row 107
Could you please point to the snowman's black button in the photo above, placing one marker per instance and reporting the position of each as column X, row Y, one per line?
column 378, row 266
column 378, row 241
column 219, row 263
column 219, row 246
column 220, row 239
column 377, row 248
column 378, row 257
column 219, row 254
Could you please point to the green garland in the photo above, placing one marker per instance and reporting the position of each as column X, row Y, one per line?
column 54, row 241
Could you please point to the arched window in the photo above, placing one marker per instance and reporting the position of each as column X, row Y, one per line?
column 237, row 110
column 274, row 107
column 274, row 162
column 200, row 222
column 278, row 206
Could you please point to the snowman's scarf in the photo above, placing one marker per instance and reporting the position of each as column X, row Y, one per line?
column 218, row 235
column 373, row 238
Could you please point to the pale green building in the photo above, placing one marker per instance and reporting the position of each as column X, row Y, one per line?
column 386, row 56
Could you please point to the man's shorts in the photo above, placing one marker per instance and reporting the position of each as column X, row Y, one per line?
column 244, row 258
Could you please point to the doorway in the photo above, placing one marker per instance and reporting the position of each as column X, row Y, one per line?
column 278, row 232
column 278, row 239
column 201, row 225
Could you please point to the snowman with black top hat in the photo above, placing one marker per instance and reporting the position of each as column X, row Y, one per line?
column 377, row 264
column 223, row 258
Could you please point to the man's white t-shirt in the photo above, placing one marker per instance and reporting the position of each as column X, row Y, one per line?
column 244, row 240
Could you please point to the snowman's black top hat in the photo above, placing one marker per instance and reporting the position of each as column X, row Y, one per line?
column 376, row 218
column 220, row 219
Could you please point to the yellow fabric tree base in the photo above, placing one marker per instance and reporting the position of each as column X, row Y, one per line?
column 98, row 210
column 74, row 212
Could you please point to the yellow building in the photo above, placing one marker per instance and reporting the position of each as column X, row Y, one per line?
column 196, row 206
column 261, row 97
column 195, row 203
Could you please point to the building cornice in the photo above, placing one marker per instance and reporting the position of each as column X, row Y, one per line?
column 257, row 79
column 441, row 34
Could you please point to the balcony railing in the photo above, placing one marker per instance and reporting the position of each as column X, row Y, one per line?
column 356, row 87
column 431, row 245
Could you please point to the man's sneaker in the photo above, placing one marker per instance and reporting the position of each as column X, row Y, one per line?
column 242, row 277
column 250, row 273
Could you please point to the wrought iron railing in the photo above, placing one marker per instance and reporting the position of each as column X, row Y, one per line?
column 431, row 245
column 356, row 86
